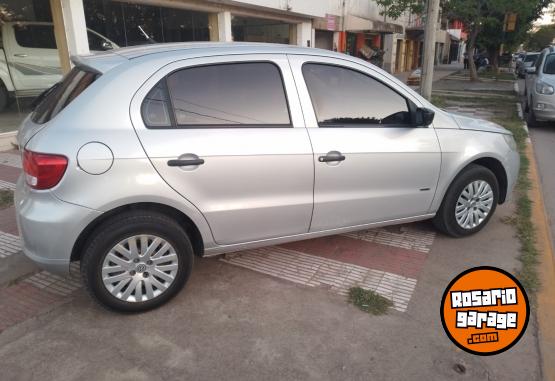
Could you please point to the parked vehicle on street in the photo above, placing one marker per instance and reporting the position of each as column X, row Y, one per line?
column 142, row 158
column 528, row 61
column 539, row 89
column 29, row 61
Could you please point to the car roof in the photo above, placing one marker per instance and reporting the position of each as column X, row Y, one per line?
column 103, row 61
column 216, row 48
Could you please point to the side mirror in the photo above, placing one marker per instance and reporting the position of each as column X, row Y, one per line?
column 530, row 70
column 424, row 116
column 106, row 45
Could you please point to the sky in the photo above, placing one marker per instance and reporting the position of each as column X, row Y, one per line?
column 547, row 17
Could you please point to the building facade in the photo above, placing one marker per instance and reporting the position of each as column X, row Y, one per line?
column 355, row 27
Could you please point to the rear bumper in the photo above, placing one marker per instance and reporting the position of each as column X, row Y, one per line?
column 49, row 227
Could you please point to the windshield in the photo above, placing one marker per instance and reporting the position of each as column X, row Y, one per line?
column 549, row 65
column 531, row 57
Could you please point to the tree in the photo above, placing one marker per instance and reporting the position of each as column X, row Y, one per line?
column 541, row 38
column 484, row 21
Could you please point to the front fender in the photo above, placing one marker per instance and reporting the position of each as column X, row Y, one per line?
column 459, row 148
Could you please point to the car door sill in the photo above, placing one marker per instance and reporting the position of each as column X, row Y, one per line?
column 222, row 249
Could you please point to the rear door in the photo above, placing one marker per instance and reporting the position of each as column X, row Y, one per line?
column 372, row 163
column 227, row 133
column 33, row 57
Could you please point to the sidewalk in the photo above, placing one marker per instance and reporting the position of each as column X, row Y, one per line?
column 440, row 71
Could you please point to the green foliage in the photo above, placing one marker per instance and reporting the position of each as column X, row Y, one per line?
column 543, row 37
column 6, row 198
column 395, row 8
column 369, row 301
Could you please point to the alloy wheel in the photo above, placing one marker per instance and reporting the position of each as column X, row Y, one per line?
column 474, row 204
column 139, row 268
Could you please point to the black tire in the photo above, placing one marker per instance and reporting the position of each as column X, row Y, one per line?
column 531, row 120
column 4, row 97
column 125, row 225
column 445, row 220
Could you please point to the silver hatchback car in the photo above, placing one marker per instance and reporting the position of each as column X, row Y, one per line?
column 539, row 89
column 142, row 158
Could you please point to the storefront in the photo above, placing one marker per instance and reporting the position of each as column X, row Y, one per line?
column 367, row 39
column 73, row 27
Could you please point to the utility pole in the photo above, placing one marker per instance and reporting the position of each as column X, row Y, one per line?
column 427, row 75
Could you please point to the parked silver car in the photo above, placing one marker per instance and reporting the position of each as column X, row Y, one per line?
column 539, row 89
column 143, row 157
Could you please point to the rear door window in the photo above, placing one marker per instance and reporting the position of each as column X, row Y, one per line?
column 246, row 94
column 63, row 93
column 35, row 36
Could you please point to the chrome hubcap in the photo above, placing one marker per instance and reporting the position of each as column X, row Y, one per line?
column 474, row 204
column 139, row 268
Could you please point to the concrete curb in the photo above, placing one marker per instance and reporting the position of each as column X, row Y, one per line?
column 8, row 140
column 546, row 271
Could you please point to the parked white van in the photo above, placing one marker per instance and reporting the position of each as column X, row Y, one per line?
column 29, row 61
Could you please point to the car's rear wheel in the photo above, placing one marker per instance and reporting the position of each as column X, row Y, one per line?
column 136, row 261
column 469, row 202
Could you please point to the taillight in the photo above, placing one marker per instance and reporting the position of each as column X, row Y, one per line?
column 42, row 170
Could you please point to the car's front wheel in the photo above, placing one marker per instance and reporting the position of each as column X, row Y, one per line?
column 469, row 202
column 136, row 261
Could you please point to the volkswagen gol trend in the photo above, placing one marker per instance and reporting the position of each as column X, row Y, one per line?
column 142, row 158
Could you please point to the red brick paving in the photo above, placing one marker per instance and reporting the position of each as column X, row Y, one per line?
column 9, row 174
column 404, row 262
column 8, row 223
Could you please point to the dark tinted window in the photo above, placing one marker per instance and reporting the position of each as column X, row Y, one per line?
column 63, row 93
column 343, row 97
column 531, row 57
column 229, row 94
column 539, row 61
column 35, row 36
column 549, row 66
column 155, row 107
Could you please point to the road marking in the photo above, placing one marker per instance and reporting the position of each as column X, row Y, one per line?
column 546, row 270
column 10, row 159
column 7, row 185
column 9, row 244
column 313, row 271
column 407, row 238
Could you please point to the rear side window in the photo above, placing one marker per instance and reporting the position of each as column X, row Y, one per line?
column 63, row 93
column 344, row 97
column 219, row 96
column 35, row 36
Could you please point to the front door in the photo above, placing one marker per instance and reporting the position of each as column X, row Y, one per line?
column 227, row 133
column 371, row 163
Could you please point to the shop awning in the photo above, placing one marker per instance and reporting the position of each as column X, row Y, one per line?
column 359, row 24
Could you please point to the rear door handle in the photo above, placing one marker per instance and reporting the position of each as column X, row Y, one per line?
column 185, row 162
column 331, row 157
column 20, row 55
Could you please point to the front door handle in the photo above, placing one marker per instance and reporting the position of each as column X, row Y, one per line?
column 185, row 162
column 331, row 157
column 20, row 55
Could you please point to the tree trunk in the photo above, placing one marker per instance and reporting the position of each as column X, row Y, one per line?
column 470, row 50
column 494, row 56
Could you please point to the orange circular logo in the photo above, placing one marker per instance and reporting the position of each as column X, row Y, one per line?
column 485, row 310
